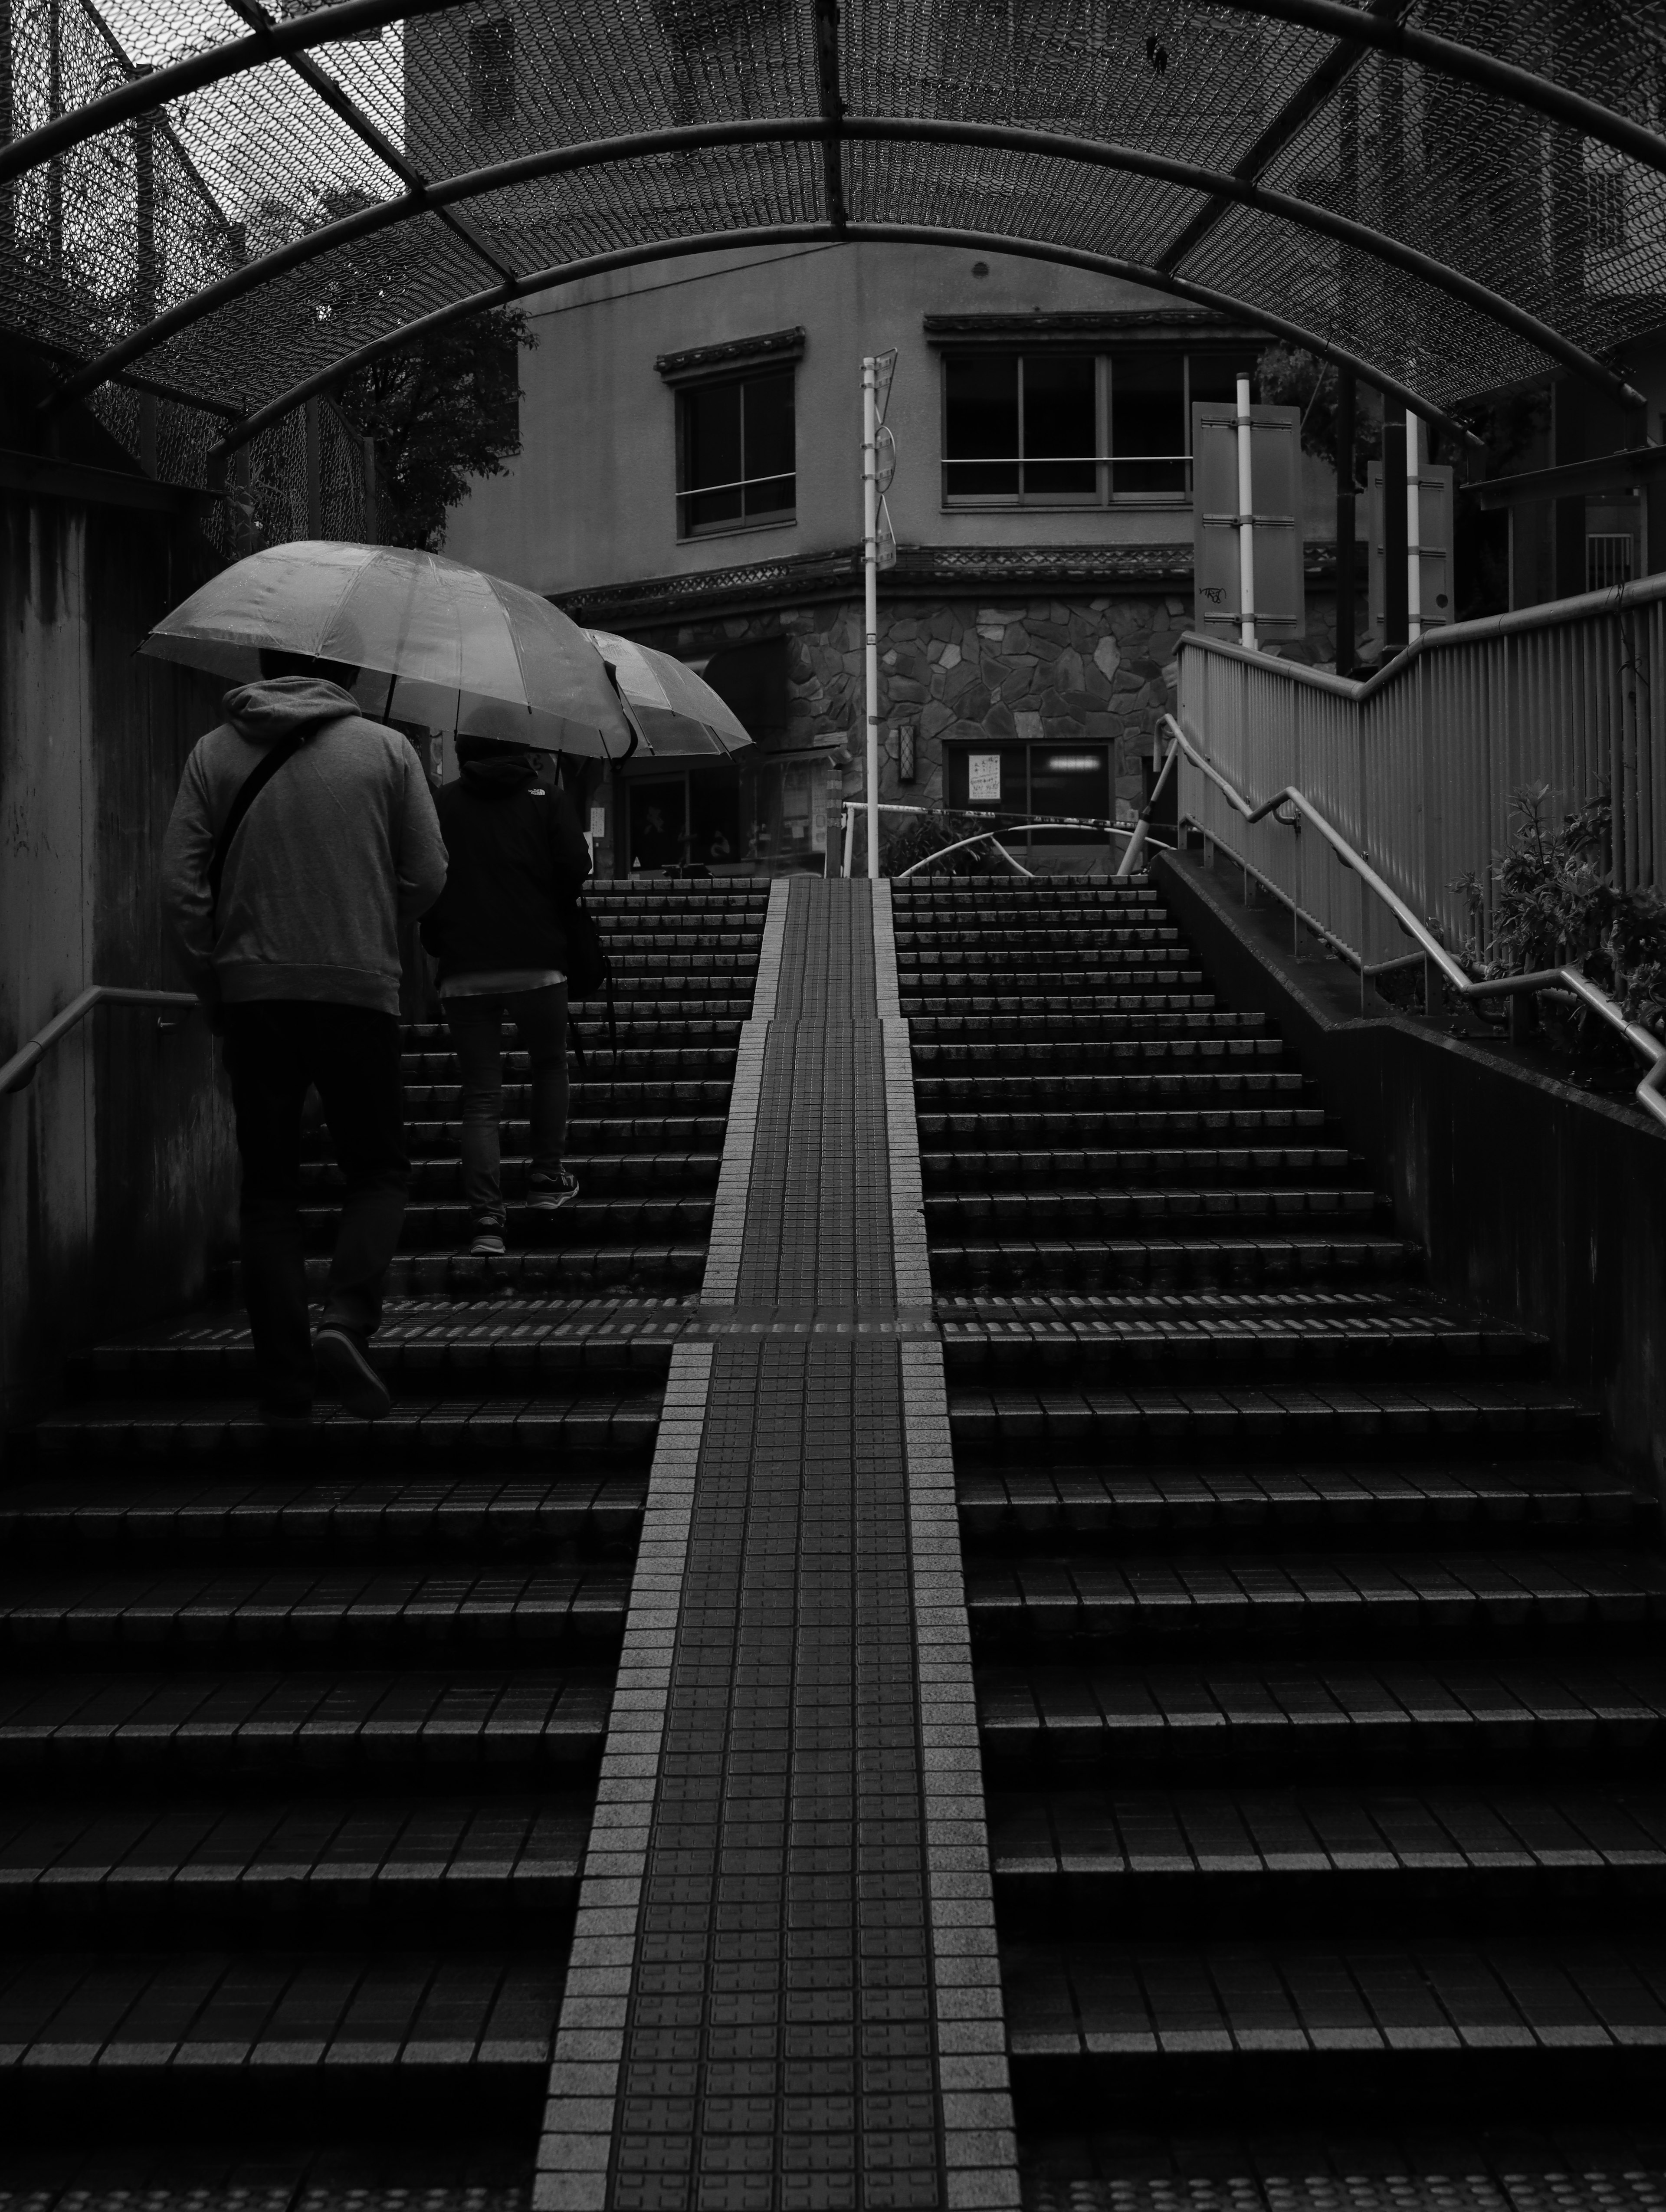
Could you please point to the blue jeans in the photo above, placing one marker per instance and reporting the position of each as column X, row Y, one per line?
column 476, row 1034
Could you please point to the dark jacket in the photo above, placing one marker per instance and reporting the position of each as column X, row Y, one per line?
column 517, row 861
column 340, row 847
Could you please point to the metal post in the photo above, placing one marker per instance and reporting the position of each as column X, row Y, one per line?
column 1393, row 525
column 870, row 598
column 147, row 271
column 1413, row 528
column 849, row 814
column 54, row 109
column 312, row 440
column 1347, row 581
column 372, row 534
column 1246, row 528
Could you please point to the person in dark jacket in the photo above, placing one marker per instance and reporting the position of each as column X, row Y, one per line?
column 517, row 861
column 299, row 961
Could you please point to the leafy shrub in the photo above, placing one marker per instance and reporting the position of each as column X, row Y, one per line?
column 926, row 833
column 1556, row 905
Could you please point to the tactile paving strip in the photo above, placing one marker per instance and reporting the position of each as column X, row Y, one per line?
column 782, row 1998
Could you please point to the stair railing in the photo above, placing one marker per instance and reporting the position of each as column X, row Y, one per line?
column 1431, row 950
column 18, row 1073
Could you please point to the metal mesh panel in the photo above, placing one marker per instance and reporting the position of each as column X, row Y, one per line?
column 145, row 215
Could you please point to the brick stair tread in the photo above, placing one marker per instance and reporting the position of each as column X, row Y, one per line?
column 584, row 1220
column 438, row 1268
column 589, row 1137
column 982, row 1336
column 347, row 1518
column 1101, row 1091
column 1374, row 1592
column 1153, row 1200
column 927, row 951
column 1248, row 1410
column 651, row 1059
column 224, row 1604
column 608, row 1104
column 1193, row 1835
column 338, row 1851
column 1358, row 1709
column 1223, row 1501
column 1031, row 1174
column 1295, row 1997
column 1013, row 1132
column 252, row 1721
column 1172, row 1260
column 1045, row 1008
column 1079, row 1029
column 1336, row 2168
column 544, row 1423
column 220, row 2011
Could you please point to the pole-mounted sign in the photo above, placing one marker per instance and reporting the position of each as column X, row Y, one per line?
column 878, row 551
column 1428, row 497
column 1246, row 550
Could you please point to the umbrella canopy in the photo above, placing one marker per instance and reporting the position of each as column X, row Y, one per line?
column 676, row 710
column 437, row 643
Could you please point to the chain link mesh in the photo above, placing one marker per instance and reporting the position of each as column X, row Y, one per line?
column 146, row 215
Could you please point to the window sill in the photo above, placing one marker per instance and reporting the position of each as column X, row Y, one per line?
column 1172, row 502
column 738, row 529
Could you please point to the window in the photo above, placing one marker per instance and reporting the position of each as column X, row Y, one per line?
column 1070, row 779
column 491, row 73
column 1605, row 210
column 735, row 454
column 1059, row 428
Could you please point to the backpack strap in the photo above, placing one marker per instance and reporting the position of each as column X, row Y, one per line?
column 247, row 791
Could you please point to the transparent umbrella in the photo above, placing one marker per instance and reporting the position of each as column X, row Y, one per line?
column 436, row 643
column 676, row 710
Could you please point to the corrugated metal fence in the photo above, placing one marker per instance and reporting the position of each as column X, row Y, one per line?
column 1419, row 767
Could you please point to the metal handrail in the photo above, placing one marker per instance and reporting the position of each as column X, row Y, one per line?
column 18, row 1071
column 1499, row 986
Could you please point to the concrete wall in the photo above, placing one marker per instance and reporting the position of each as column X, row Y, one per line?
column 116, row 1174
column 591, row 502
column 1533, row 1202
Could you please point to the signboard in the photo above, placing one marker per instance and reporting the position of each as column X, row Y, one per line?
column 983, row 777
column 1434, row 539
column 1275, row 462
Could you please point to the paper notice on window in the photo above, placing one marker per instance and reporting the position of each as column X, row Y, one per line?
column 982, row 776
column 599, row 823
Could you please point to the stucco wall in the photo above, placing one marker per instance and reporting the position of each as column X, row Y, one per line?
column 590, row 500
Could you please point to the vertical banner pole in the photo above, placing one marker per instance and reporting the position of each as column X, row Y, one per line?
column 1347, row 577
column 1246, row 527
column 1413, row 528
column 871, row 598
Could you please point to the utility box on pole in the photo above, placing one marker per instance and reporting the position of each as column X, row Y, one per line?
column 1276, row 551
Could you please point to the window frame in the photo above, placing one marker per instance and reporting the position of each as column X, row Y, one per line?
column 1105, row 460
column 690, row 389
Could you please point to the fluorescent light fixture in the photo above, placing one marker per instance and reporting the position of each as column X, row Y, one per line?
column 1075, row 763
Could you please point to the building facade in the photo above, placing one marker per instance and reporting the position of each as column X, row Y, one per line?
column 690, row 476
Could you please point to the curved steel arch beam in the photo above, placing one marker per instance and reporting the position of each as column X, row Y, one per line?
column 1450, row 57
column 817, row 234
column 1053, row 145
column 344, row 19
column 323, row 26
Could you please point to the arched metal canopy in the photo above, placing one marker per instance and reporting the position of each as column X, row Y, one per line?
column 1454, row 195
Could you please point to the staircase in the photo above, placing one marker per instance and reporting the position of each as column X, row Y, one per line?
column 299, row 1739
column 1318, row 1652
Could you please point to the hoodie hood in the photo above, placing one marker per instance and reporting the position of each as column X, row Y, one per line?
column 278, row 706
column 498, row 775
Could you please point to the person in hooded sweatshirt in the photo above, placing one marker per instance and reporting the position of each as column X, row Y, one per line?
column 518, row 860
column 298, row 963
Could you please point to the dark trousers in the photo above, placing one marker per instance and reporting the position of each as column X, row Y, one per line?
column 476, row 1034
column 275, row 1048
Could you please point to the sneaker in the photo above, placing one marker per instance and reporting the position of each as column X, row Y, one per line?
column 488, row 1239
column 549, row 1194
column 343, row 1360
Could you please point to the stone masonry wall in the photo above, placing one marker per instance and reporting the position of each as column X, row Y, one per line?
column 1096, row 671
